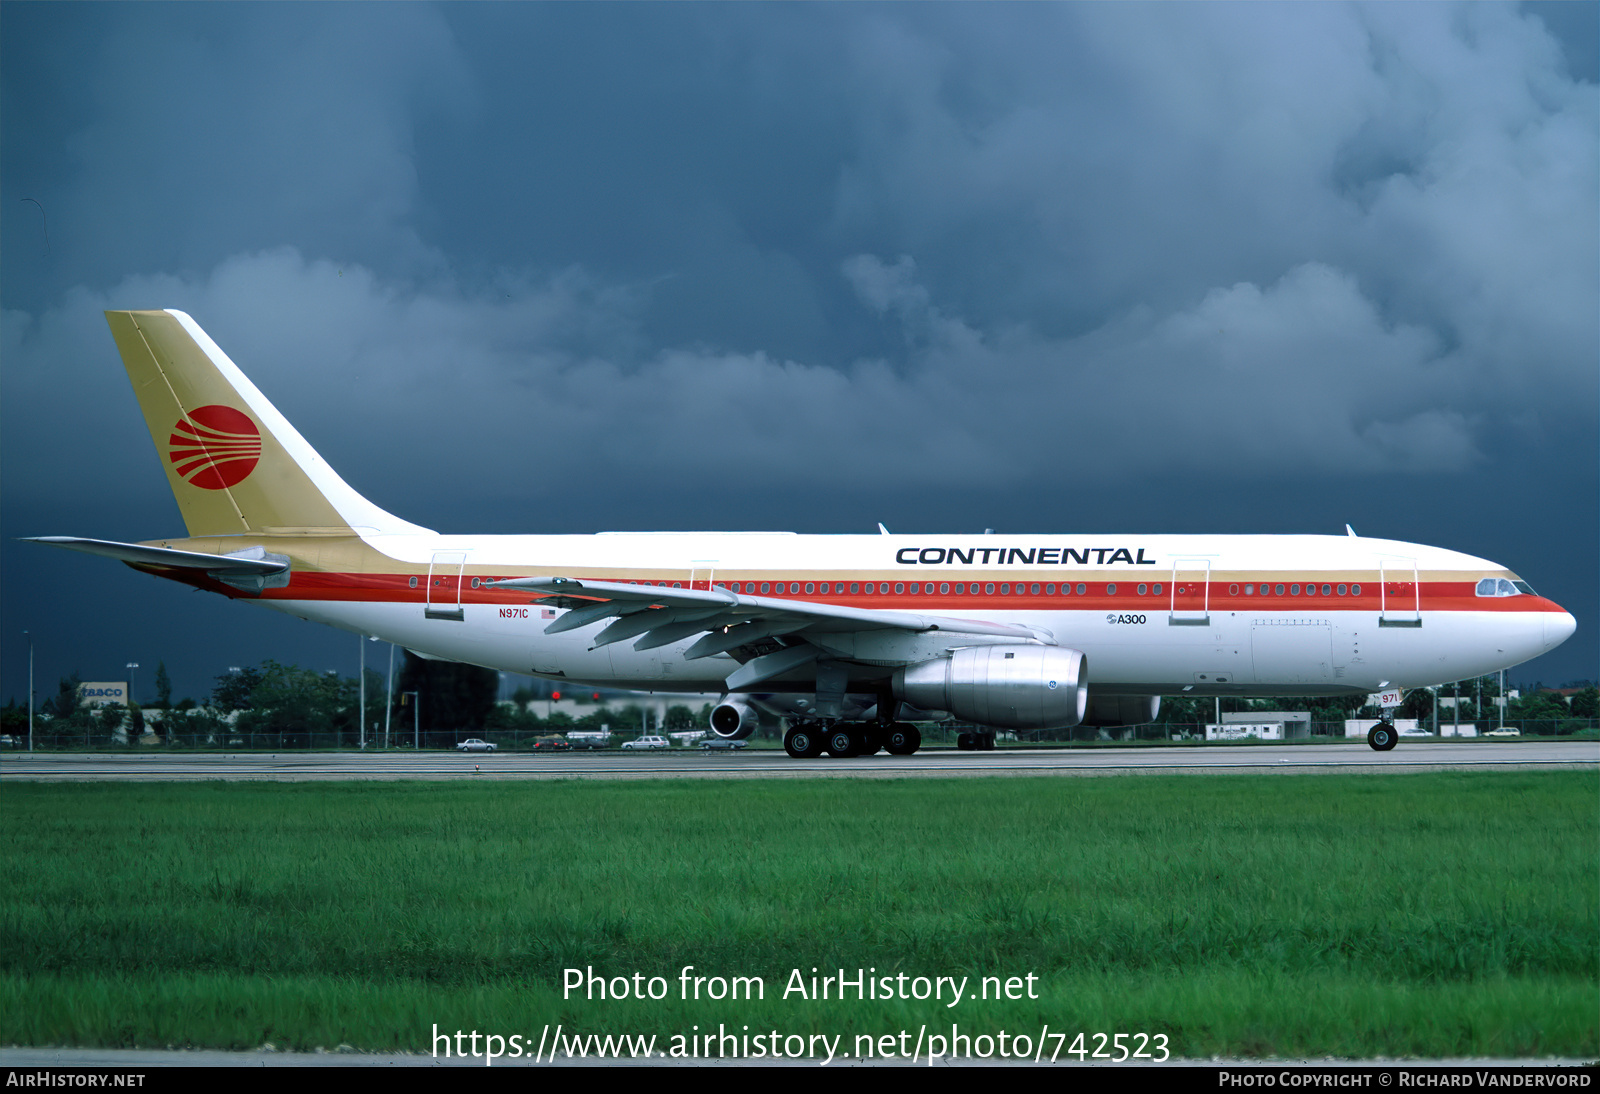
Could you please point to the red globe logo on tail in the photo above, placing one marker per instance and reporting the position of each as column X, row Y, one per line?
column 215, row 447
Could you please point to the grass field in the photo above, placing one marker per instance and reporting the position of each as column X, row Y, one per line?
column 1425, row 915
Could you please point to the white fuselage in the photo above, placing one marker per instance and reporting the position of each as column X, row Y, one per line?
column 1198, row 615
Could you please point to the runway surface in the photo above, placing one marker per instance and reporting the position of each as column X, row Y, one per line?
column 1409, row 756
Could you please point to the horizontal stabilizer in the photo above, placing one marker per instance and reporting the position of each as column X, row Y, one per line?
column 139, row 554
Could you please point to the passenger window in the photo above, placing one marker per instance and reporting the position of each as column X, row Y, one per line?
column 899, row 587
column 960, row 588
column 1034, row 589
column 1355, row 590
column 1249, row 590
column 1294, row 590
column 1233, row 590
column 765, row 587
column 1327, row 590
column 1081, row 588
column 871, row 588
column 1158, row 590
column 1142, row 590
column 1342, row 590
column 1050, row 590
column 413, row 583
column 1111, row 590
column 809, row 587
column 944, row 587
column 855, row 587
column 1311, row 590
column 989, row 588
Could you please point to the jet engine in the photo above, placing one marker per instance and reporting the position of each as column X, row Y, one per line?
column 1005, row 686
column 734, row 720
column 1122, row 710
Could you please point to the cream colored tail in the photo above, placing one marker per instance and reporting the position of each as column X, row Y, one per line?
column 236, row 466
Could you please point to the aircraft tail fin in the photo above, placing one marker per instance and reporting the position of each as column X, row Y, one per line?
column 236, row 465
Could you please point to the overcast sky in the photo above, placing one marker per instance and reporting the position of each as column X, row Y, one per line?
column 565, row 268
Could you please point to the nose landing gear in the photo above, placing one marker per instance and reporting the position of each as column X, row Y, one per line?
column 1382, row 737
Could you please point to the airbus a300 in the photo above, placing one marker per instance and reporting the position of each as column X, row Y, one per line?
column 849, row 639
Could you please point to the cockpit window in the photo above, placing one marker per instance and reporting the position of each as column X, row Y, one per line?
column 1499, row 586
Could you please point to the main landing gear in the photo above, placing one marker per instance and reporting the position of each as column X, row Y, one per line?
column 976, row 741
column 843, row 739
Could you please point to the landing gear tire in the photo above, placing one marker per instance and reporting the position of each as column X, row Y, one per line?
column 872, row 739
column 975, row 742
column 842, row 743
column 964, row 742
column 803, row 743
column 1382, row 737
column 903, row 739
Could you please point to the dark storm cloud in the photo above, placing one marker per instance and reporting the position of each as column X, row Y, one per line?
column 165, row 138
column 478, row 252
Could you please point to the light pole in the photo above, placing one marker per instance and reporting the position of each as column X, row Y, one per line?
column 133, row 676
column 1502, row 698
column 416, row 720
column 30, row 691
column 361, row 689
column 388, row 706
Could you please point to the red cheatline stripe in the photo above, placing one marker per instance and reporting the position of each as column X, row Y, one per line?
column 1453, row 597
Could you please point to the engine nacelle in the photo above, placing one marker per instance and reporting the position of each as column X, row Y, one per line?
column 1008, row 687
column 1122, row 710
column 734, row 720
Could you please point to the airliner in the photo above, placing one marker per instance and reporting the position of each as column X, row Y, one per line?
column 847, row 640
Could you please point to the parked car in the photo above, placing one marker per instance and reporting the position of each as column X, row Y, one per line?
column 472, row 744
column 720, row 744
column 588, row 738
column 650, row 741
column 554, row 742
column 1503, row 733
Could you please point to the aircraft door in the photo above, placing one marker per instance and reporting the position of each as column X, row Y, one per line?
column 1191, row 593
column 444, row 586
column 1399, row 593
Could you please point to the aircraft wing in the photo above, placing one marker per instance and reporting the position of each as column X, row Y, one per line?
column 659, row 615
